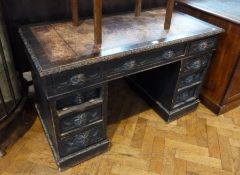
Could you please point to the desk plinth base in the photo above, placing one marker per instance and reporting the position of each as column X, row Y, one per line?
column 77, row 157
column 164, row 113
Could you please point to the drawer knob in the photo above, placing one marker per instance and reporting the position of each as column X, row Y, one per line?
column 168, row 54
column 78, row 79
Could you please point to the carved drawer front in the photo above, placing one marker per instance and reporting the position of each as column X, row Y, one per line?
column 78, row 120
column 196, row 63
column 82, row 140
column 144, row 59
column 186, row 95
column 189, row 79
column 74, row 79
column 78, row 98
column 203, row 45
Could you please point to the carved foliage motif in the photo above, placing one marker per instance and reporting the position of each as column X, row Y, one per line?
column 81, row 119
column 203, row 45
column 185, row 95
column 189, row 79
column 82, row 140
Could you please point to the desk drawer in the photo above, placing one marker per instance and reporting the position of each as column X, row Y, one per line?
column 83, row 139
column 77, row 119
column 186, row 95
column 74, row 79
column 203, row 45
column 144, row 59
column 189, row 79
column 196, row 63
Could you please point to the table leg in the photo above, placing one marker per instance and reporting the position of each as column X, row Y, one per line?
column 138, row 7
column 98, row 22
column 74, row 7
column 169, row 11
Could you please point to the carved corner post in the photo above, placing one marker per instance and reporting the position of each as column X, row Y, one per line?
column 138, row 7
column 168, row 17
column 74, row 7
column 98, row 22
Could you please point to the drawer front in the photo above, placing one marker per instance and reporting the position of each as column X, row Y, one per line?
column 78, row 120
column 82, row 140
column 117, row 67
column 203, row 45
column 186, row 95
column 189, row 79
column 70, row 80
column 78, row 98
column 196, row 63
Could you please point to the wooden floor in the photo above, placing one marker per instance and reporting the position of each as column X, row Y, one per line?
column 142, row 143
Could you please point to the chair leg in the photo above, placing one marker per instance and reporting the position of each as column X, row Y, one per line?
column 138, row 7
column 168, row 17
column 74, row 7
column 98, row 22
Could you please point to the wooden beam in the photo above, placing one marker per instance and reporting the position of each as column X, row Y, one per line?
column 138, row 7
column 169, row 11
column 98, row 22
column 74, row 7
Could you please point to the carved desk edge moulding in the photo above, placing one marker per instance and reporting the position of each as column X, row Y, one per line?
column 97, row 10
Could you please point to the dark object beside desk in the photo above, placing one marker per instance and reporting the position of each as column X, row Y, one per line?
column 221, row 90
column 71, row 75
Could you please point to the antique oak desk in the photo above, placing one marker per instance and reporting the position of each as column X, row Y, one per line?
column 221, row 90
column 71, row 76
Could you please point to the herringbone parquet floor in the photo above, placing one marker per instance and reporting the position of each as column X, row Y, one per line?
column 142, row 143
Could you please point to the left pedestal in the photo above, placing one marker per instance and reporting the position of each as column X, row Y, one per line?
column 74, row 123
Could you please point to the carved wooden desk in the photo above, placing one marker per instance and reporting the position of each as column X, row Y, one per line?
column 71, row 75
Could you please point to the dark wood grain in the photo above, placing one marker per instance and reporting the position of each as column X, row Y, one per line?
column 221, row 91
column 169, row 12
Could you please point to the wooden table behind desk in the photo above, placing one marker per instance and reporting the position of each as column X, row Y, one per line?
column 221, row 91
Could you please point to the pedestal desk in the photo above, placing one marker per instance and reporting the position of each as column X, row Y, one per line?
column 71, row 75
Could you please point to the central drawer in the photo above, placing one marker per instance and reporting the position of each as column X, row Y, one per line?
column 158, row 56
